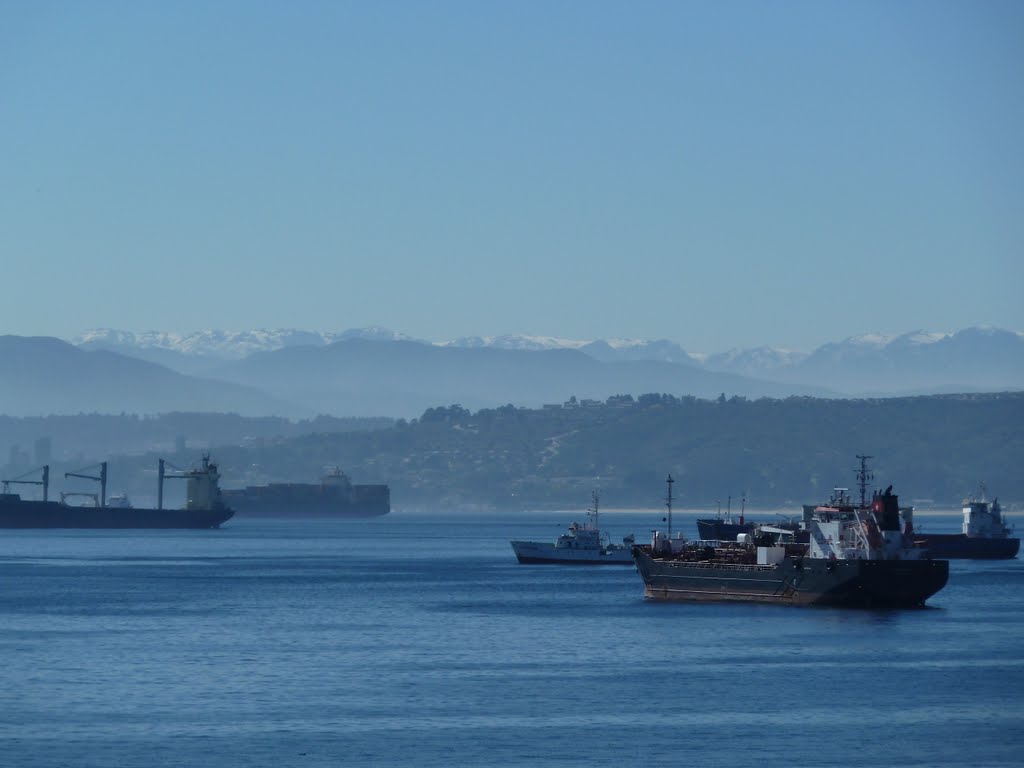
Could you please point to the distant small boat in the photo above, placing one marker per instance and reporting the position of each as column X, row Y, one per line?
column 580, row 545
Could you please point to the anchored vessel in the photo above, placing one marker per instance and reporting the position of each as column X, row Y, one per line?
column 724, row 529
column 580, row 545
column 985, row 534
column 333, row 496
column 856, row 556
column 204, row 508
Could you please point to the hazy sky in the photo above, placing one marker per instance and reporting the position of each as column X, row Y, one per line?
column 718, row 173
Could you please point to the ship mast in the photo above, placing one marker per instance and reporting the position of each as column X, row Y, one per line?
column 668, row 503
column 864, row 476
column 45, row 482
column 101, row 479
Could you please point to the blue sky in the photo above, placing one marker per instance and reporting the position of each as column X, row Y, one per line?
column 720, row 174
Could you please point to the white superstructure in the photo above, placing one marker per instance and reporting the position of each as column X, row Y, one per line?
column 583, row 544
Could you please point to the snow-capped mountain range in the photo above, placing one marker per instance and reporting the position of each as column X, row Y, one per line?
column 376, row 372
column 224, row 345
column 973, row 359
column 235, row 345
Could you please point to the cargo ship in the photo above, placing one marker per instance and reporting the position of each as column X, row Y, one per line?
column 985, row 536
column 204, row 508
column 724, row 529
column 582, row 544
column 857, row 556
column 718, row 527
column 334, row 496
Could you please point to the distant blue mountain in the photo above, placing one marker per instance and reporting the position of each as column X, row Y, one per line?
column 374, row 371
column 404, row 378
column 971, row 360
column 42, row 376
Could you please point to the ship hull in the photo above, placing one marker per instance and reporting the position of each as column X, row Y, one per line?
column 949, row 546
column 714, row 529
column 541, row 553
column 845, row 583
column 52, row 514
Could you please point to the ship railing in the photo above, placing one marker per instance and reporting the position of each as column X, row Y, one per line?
column 857, row 528
column 720, row 564
column 735, row 566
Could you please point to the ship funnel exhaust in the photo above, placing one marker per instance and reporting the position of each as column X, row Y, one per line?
column 886, row 508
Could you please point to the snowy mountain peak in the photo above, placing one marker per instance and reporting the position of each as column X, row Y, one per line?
column 228, row 345
column 868, row 340
column 978, row 357
column 514, row 341
column 751, row 361
column 372, row 333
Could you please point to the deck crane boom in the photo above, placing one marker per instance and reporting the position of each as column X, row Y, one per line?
column 101, row 479
column 45, row 482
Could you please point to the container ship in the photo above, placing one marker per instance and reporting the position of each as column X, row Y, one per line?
column 334, row 496
column 856, row 556
column 205, row 507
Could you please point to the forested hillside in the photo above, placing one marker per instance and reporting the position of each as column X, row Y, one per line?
column 773, row 452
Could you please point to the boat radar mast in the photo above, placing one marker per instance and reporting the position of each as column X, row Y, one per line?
column 668, row 504
column 864, row 476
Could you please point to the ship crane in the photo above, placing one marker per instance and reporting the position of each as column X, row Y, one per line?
column 101, row 479
column 45, row 482
column 163, row 474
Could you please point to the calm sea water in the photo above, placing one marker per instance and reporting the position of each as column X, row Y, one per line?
column 417, row 640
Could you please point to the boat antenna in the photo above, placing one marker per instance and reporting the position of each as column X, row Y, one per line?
column 864, row 476
column 593, row 510
column 668, row 503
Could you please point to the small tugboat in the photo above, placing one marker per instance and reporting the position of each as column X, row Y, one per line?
column 985, row 536
column 857, row 556
column 580, row 545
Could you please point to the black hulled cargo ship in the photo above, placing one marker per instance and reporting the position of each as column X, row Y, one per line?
column 985, row 535
column 725, row 529
column 334, row 496
column 856, row 557
column 204, row 507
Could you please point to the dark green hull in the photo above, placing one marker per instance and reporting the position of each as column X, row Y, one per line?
column 796, row 581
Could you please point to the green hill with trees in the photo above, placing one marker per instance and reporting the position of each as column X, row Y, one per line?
column 773, row 452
